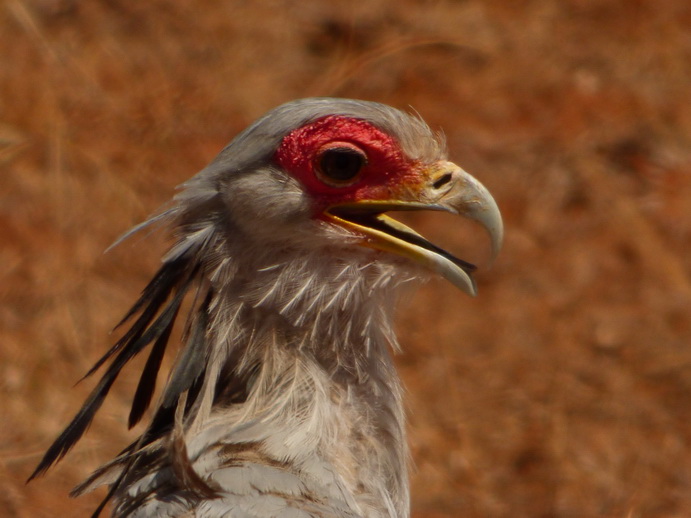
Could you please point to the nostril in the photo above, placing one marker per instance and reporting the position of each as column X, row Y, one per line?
column 443, row 180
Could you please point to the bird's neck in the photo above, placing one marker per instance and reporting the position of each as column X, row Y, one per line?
column 315, row 339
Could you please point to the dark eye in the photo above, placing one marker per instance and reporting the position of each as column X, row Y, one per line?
column 341, row 164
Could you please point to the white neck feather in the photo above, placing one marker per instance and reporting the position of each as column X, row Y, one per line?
column 326, row 392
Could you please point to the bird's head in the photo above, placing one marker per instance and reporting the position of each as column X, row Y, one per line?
column 324, row 173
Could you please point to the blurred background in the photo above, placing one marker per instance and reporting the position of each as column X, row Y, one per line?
column 562, row 390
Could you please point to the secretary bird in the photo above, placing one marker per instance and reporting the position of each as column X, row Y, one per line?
column 284, row 400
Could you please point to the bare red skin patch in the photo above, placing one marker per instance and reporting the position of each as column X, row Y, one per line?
column 382, row 178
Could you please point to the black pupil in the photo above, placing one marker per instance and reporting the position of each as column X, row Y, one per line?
column 341, row 164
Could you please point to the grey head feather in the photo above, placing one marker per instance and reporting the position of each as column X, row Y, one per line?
column 253, row 148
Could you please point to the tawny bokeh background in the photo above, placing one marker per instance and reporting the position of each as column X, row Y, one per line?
column 563, row 390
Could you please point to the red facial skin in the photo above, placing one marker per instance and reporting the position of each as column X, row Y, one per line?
column 386, row 174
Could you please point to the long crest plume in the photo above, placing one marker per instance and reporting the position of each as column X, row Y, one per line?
column 157, row 309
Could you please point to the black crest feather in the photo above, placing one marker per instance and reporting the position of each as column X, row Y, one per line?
column 155, row 322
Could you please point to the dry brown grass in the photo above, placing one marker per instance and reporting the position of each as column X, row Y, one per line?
column 563, row 390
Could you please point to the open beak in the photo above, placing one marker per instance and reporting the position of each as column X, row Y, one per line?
column 442, row 186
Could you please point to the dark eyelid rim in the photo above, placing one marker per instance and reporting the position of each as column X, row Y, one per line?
column 345, row 146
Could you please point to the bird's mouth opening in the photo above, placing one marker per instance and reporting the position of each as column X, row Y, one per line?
column 381, row 232
column 397, row 230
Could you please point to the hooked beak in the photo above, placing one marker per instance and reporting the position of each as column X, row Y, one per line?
column 442, row 186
